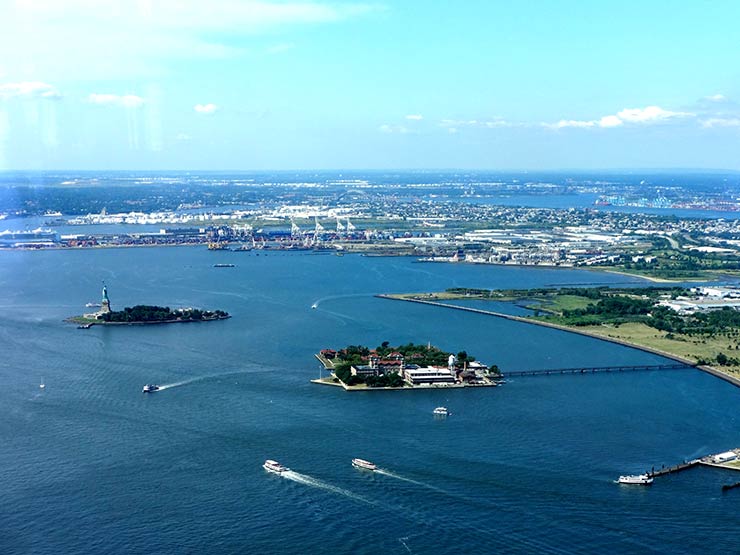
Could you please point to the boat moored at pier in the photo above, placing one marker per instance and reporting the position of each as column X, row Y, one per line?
column 365, row 465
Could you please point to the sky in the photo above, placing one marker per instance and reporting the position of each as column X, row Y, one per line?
column 277, row 85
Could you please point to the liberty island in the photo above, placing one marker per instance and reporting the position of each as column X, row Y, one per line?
column 144, row 314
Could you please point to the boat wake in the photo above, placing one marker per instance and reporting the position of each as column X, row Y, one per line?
column 200, row 379
column 334, row 297
column 316, row 483
column 403, row 543
column 409, row 480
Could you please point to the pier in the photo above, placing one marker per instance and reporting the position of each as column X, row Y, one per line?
column 595, row 370
column 665, row 470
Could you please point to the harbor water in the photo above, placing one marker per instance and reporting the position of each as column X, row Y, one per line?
column 89, row 464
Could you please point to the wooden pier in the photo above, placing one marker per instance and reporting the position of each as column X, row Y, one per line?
column 596, row 369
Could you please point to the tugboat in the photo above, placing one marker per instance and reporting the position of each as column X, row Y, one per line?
column 274, row 466
column 636, row 479
column 361, row 463
column 441, row 411
column 150, row 388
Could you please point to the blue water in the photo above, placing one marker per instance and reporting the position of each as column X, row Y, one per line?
column 91, row 465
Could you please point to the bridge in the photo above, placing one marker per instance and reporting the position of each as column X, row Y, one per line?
column 596, row 370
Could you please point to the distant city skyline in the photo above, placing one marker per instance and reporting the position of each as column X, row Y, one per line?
column 269, row 85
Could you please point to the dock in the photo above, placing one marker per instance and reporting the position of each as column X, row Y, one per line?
column 665, row 470
column 728, row 460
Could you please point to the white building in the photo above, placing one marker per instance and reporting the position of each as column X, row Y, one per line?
column 428, row 375
column 727, row 456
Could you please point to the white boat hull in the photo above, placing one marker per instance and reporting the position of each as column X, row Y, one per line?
column 364, row 465
column 639, row 480
column 274, row 467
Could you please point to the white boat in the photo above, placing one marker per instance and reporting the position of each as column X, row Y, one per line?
column 150, row 388
column 441, row 411
column 314, row 305
column 636, row 479
column 361, row 463
column 274, row 466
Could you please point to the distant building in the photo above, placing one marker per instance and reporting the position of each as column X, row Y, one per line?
column 363, row 370
column 727, row 456
column 428, row 375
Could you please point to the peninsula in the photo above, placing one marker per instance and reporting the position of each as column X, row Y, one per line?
column 410, row 366
column 144, row 314
column 699, row 326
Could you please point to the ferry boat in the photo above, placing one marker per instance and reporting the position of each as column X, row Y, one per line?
column 274, row 466
column 636, row 479
column 224, row 265
column 441, row 411
column 150, row 388
column 361, row 463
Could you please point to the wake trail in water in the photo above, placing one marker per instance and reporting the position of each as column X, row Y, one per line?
column 201, row 378
column 334, row 297
column 316, row 483
column 416, row 482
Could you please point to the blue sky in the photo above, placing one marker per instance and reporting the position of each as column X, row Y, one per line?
column 227, row 84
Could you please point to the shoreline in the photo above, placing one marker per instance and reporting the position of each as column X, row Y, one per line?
column 704, row 368
column 339, row 383
column 90, row 323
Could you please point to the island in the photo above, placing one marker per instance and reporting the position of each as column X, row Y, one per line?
column 144, row 314
column 698, row 326
column 410, row 366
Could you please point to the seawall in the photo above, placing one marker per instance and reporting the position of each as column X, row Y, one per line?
column 709, row 369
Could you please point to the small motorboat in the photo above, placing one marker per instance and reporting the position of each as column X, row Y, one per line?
column 441, row 411
column 274, row 466
column 150, row 388
column 635, row 479
column 365, row 465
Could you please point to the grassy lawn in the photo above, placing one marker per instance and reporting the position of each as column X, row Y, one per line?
column 558, row 303
column 693, row 348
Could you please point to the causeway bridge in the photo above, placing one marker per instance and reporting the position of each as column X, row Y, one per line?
column 596, row 369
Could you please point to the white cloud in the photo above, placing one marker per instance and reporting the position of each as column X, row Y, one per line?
column 94, row 39
column 206, row 109
column 563, row 123
column 126, row 100
column 716, row 98
column 415, row 117
column 29, row 89
column 484, row 124
column 720, row 122
column 184, row 137
column 610, row 121
column 649, row 114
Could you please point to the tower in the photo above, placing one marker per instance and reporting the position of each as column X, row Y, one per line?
column 105, row 303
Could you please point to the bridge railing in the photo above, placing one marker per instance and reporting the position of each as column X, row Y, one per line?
column 596, row 369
